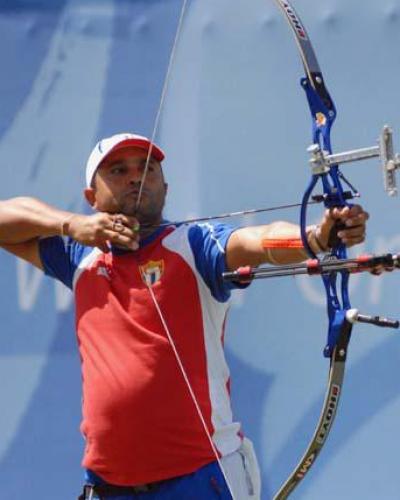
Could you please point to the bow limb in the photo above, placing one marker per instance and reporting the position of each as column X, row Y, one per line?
column 328, row 413
column 323, row 113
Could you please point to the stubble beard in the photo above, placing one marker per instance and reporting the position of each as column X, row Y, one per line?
column 148, row 213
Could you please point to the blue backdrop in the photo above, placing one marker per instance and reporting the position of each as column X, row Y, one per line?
column 235, row 127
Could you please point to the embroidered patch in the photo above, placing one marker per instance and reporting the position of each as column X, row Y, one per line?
column 152, row 271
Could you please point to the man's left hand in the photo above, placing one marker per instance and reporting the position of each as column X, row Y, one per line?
column 353, row 219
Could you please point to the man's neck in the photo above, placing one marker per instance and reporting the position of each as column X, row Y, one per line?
column 148, row 228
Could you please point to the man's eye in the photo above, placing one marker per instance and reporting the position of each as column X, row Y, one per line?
column 117, row 170
column 151, row 167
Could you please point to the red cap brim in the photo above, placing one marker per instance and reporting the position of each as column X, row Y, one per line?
column 156, row 152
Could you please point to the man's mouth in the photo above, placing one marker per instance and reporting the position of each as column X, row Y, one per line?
column 131, row 199
column 135, row 192
column 132, row 194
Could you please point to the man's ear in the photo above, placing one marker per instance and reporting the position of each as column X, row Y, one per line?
column 90, row 196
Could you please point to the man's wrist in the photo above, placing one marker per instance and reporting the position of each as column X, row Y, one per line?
column 65, row 224
column 314, row 240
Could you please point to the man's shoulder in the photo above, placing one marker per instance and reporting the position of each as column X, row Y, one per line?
column 58, row 245
column 61, row 257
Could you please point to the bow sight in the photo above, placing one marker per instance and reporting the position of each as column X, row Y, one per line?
column 321, row 161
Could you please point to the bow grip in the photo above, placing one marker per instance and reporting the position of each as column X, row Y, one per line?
column 334, row 240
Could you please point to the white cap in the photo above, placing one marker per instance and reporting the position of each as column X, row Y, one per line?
column 119, row 141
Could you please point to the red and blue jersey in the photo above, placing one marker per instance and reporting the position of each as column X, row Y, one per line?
column 139, row 421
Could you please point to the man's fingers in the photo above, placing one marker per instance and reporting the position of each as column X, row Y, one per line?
column 125, row 235
column 338, row 213
column 103, row 247
column 357, row 209
column 354, row 215
column 131, row 223
column 352, row 222
column 120, row 225
column 353, row 231
column 120, row 239
column 124, row 224
column 346, row 224
column 116, row 228
column 378, row 270
column 357, row 220
column 352, row 236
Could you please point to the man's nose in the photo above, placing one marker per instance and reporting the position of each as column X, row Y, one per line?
column 135, row 176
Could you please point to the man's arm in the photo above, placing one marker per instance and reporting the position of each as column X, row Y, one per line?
column 24, row 220
column 245, row 246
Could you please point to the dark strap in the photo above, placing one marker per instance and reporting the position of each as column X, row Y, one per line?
column 109, row 490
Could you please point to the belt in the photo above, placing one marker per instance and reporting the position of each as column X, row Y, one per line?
column 109, row 490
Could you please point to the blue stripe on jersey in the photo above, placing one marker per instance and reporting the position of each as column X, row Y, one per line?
column 208, row 243
column 61, row 258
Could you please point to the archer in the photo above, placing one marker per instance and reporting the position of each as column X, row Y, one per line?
column 151, row 306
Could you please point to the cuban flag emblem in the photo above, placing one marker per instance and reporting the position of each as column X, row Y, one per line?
column 152, row 271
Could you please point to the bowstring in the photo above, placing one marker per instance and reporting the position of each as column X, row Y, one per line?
column 153, row 297
column 189, row 387
column 167, row 79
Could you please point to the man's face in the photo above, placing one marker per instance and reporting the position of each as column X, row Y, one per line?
column 117, row 183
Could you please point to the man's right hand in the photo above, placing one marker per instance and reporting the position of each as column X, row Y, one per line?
column 100, row 229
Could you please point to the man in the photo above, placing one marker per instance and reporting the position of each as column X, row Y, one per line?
column 150, row 314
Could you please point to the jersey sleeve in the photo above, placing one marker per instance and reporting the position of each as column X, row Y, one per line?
column 60, row 258
column 208, row 243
